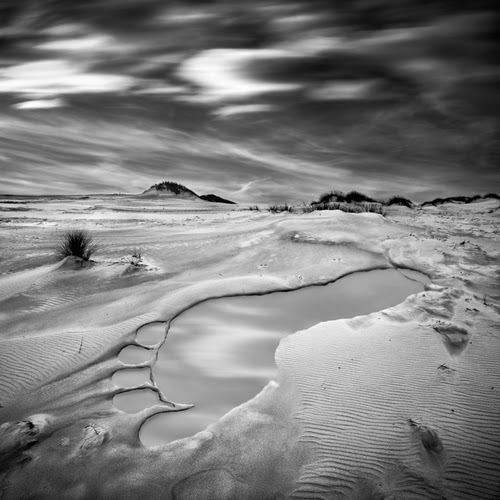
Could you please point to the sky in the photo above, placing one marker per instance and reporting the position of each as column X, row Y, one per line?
column 259, row 102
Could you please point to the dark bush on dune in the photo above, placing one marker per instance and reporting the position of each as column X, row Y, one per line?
column 353, row 208
column 454, row 199
column 76, row 243
column 339, row 196
column 276, row 209
column 492, row 195
column 400, row 200
column 356, row 196
column 330, row 196
column 435, row 202
column 216, row 199
column 174, row 187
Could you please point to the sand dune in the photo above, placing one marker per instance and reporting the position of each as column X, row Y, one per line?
column 402, row 403
column 400, row 412
column 22, row 281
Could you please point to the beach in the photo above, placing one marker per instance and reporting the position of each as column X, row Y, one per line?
column 398, row 403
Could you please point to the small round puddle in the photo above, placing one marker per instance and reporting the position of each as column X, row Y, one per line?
column 133, row 354
column 135, row 401
column 151, row 334
column 130, row 377
column 220, row 353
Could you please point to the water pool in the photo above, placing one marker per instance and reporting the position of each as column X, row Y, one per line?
column 220, row 353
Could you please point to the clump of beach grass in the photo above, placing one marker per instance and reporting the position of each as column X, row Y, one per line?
column 458, row 199
column 400, row 200
column 276, row 209
column 353, row 208
column 174, row 187
column 307, row 209
column 77, row 243
column 136, row 257
column 340, row 196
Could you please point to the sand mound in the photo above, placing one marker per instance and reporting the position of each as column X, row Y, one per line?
column 389, row 403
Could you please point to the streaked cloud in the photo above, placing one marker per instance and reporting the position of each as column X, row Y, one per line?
column 68, row 179
column 222, row 74
column 238, row 109
column 93, row 43
column 54, row 77
column 40, row 104
column 343, row 90
column 184, row 15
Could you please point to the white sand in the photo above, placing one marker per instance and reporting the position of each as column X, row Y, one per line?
column 402, row 403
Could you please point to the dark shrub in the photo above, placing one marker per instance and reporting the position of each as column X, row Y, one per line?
column 358, row 197
column 330, row 196
column 174, row 187
column 213, row 198
column 399, row 200
column 339, row 196
column 76, row 243
column 136, row 258
column 453, row 199
column 276, row 209
column 350, row 207
column 325, row 197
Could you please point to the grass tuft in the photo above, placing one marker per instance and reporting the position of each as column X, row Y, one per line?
column 77, row 243
column 276, row 209
column 339, row 197
column 492, row 195
column 400, row 200
column 174, row 187
column 136, row 258
column 357, row 197
column 353, row 208
column 455, row 199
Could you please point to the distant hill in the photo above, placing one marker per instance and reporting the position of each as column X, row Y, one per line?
column 216, row 199
column 169, row 188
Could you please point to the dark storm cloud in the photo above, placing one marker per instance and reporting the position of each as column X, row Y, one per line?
column 254, row 97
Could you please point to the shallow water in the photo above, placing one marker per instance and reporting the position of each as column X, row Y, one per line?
column 133, row 354
column 220, row 353
column 130, row 377
column 136, row 401
column 151, row 334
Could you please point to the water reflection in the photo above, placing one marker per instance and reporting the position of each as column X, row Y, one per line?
column 130, row 377
column 151, row 334
column 220, row 353
column 133, row 354
column 135, row 401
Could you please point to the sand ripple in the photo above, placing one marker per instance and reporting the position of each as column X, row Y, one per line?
column 383, row 418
